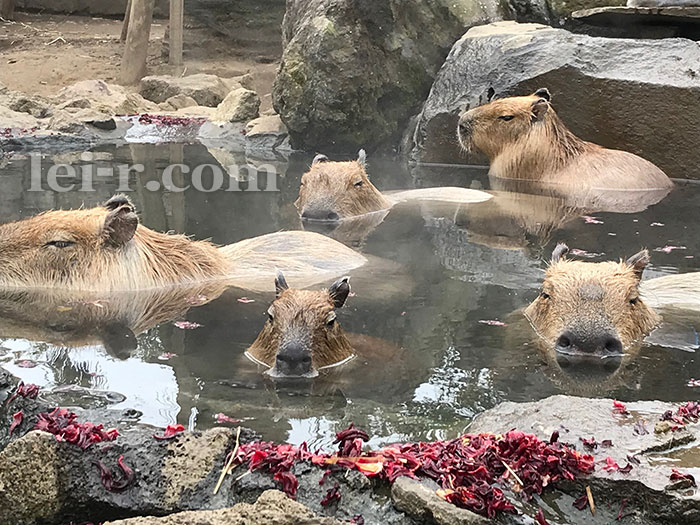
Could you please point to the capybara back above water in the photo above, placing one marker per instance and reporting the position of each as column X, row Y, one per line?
column 592, row 309
column 106, row 249
column 524, row 138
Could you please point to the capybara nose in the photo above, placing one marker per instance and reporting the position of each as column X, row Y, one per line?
column 293, row 361
column 319, row 215
column 603, row 344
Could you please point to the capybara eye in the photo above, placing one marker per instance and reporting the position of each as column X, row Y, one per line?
column 358, row 184
column 506, row 117
column 60, row 244
column 544, row 295
column 634, row 300
column 463, row 128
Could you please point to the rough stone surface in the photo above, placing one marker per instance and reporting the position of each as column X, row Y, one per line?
column 16, row 120
column 239, row 105
column 206, row 90
column 418, row 499
column 103, row 97
column 75, row 120
column 353, row 72
column 267, row 133
column 594, row 82
column 272, row 508
column 177, row 102
column 30, row 464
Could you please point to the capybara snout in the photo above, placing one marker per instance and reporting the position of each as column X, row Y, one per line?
column 591, row 309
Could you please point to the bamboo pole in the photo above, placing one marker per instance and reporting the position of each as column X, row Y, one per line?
column 133, row 67
column 177, row 11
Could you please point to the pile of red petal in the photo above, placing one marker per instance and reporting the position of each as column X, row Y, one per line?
column 30, row 391
column 467, row 468
column 166, row 120
column 687, row 413
column 108, row 480
column 678, row 475
column 170, row 432
column 17, row 419
column 62, row 424
column 620, row 408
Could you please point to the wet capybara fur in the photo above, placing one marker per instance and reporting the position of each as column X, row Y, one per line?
column 332, row 191
column 302, row 334
column 592, row 309
column 525, row 139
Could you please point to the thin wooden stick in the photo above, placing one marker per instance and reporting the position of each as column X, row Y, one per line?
column 512, row 473
column 228, row 465
column 589, row 494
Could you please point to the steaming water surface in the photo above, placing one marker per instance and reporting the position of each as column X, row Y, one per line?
column 446, row 354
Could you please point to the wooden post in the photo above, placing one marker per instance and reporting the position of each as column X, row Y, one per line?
column 7, row 9
column 177, row 12
column 125, row 25
column 133, row 66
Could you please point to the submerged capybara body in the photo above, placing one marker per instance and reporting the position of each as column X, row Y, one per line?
column 335, row 191
column 524, row 138
column 592, row 309
column 302, row 335
column 105, row 249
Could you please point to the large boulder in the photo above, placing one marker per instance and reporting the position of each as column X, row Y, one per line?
column 239, row 105
column 206, row 90
column 638, row 95
column 354, row 71
column 105, row 98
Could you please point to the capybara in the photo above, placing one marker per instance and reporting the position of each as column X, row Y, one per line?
column 525, row 139
column 105, row 249
column 592, row 309
column 302, row 334
column 333, row 191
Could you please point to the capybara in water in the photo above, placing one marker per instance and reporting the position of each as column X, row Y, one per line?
column 592, row 309
column 302, row 334
column 333, row 191
column 106, row 249
column 525, row 139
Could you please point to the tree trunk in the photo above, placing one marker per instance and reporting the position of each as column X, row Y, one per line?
column 7, row 9
column 125, row 25
column 133, row 66
column 177, row 9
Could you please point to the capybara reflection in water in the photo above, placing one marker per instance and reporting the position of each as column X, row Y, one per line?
column 333, row 191
column 105, row 249
column 302, row 334
column 592, row 309
column 525, row 139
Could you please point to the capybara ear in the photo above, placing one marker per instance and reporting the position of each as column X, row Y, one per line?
column 280, row 283
column 539, row 109
column 339, row 291
column 559, row 251
column 319, row 158
column 362, row 158
column 543, row 93
column 117, row 201
column 120, row 226
column 638, row 262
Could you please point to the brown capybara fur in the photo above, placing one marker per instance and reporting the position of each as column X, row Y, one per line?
column 302, row 334
column 592, row 309
column 105, row 249
column 525, row 139
column 337, row 190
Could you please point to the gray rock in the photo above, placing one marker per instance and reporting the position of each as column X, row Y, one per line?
column 594, row 82
column 10, row 119
column 239, row 105
column 207, row 90
column 177, row 102
column 267, row 134
column 419, row 500
column 76, row 121
column 105, row 98
column 271, row 508
column 353, row 72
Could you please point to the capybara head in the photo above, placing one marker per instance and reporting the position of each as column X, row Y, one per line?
column 332, row 191
column 591, row 310
column 502, row 122
column 302, row 335
column 56, row 247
